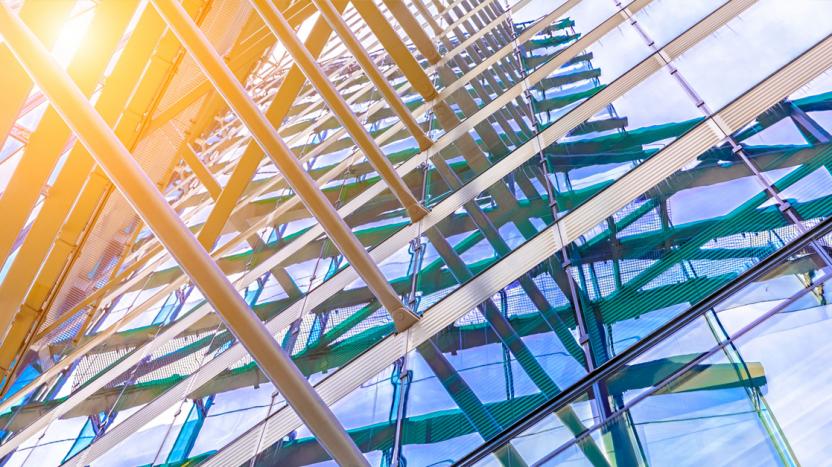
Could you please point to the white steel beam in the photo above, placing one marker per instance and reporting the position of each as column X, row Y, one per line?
column 105, row 295
column 672, row 158
column 131, row 181
column 266, row 136
column 286, row 35
column 439, row 212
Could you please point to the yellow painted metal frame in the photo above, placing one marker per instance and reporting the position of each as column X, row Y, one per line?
column 131, row 181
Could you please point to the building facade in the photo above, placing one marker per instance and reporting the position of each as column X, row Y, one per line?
column 415, row 232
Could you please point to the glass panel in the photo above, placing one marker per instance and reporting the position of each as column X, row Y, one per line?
column 751, row 47
column 715, row 378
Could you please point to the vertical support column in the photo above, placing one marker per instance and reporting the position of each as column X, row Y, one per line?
column 141, row 193
column 401, row 379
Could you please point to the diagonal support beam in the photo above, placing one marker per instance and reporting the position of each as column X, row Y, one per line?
column 246, row 166
column 44, row 147
column 203, row 174
column 478, row 414
column 20, row 289
column 271, row 143
column 287, row 36
column 341, row 279
column 394, row 46
column 392, row 42
column 357, row 50
column 141, row 193
column 45, row 20
column 592, row 212
column 138, row 310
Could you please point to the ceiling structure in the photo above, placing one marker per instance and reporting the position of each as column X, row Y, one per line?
column 412, row 231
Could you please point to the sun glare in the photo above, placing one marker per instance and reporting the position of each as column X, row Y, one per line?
column 73, row 32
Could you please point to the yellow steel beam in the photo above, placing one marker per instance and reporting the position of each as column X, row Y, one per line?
column 238, row 62
column 284, row 97
column 248, row 162
column 244, row 60
column 254, row 40
column 340, row 78
column 97, row 295
column 214, row 104
column 252, row 47
column 159, row 65
column 271, row 143
column 440, row 7
column 100, row 293
column 423, row 10
column 144, row 43
column 151, row 252
column 45, row 145
column 45, row 19
column 201, row 172
column 299, row 8
column 73, row 177
column 405, row 17
column 414, row 30
column 140, row 192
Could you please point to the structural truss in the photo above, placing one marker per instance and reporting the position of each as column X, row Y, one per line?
column 295, row 232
